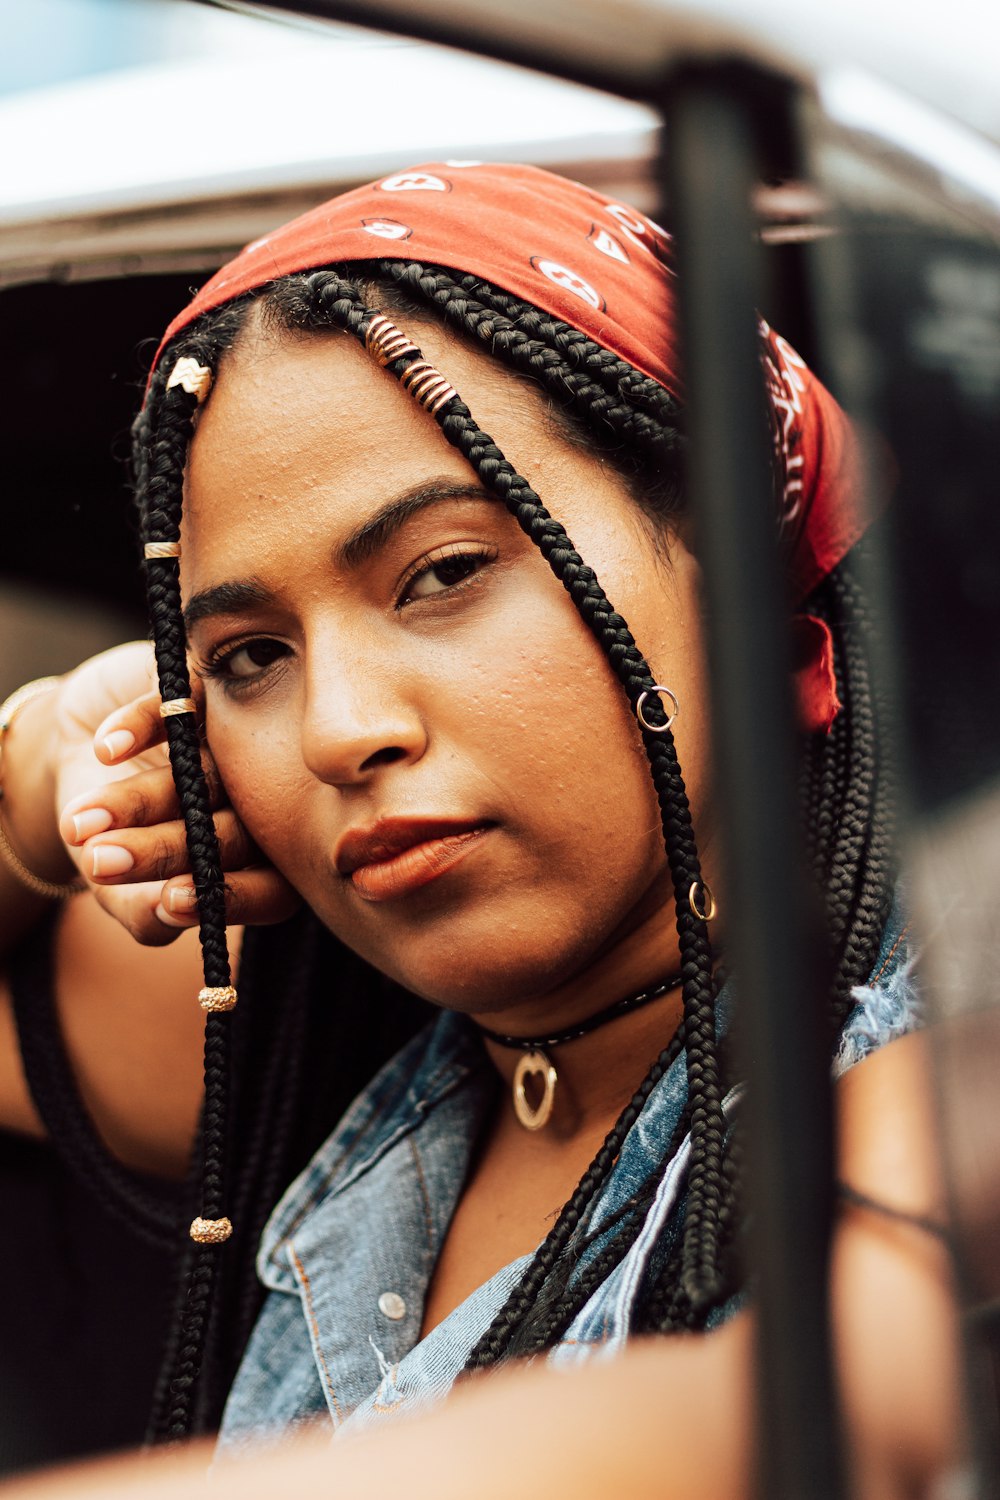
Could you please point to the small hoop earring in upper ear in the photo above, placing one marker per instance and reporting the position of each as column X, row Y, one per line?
column 657, row 728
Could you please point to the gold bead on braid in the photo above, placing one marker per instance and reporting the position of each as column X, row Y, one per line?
column 194, row 378
column 385, row 342
column 172, row 706
column 427, row 386
column 210, row 1231
column 217, row 997
column 161, row 549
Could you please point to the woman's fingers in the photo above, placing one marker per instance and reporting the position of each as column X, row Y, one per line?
column 131, row 730
column 136, row 727
column 131, row 855
column 127, row 836
column 122, row 823
column 138, row 801
column 253, row 898
column 135, row 907
column 155, row 914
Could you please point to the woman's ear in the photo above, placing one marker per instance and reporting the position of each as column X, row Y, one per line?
column 683, row 534
column 680, row 551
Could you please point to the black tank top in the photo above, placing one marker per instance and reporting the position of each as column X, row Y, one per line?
column 90, row 1252
column 83, row 1313
column 84, row 1297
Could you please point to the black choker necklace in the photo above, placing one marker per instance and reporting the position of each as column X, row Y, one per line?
column 537, row 1061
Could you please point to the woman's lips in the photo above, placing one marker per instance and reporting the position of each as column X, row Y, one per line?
column 391, row 862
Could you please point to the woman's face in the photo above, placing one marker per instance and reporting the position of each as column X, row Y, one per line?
column 406, row 709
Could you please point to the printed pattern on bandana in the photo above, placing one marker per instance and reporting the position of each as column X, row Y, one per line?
column 387, row 229
column 598, row 265
column 607, row 244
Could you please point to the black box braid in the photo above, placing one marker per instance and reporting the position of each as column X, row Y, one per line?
column 636, row 424
column 279, row 1125
column 165, row 432
column 851, row 778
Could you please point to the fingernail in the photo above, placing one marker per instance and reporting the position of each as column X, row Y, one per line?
column 182, row 898
column 110, row 859
column 164, row 916
column 118, row 742
column 94, row 820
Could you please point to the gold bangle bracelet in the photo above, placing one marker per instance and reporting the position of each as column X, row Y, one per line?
column 8, row 855
column 28, row 878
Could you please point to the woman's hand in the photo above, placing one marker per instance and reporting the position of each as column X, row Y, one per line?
column 122, row 823
column 126, row 1011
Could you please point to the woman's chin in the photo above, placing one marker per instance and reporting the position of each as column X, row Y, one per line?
column 482, row 978
column 489, row 952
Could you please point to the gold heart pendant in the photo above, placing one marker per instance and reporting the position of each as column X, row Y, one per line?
column 534, row 1064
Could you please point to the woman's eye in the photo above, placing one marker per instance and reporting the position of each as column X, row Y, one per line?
column 443, row 573
column 250, row 660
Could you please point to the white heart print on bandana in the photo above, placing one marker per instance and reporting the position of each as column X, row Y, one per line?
column 569, row 280
column 415, row 182
column 607, row 244
column 387, row 229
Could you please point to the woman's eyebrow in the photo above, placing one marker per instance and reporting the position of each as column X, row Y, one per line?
column 224, row 599
column 376, row 531
column 240, row 594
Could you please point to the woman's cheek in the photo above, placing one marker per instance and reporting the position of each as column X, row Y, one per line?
column 260, row 781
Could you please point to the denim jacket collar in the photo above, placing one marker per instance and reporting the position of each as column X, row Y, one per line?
column 439, row 1062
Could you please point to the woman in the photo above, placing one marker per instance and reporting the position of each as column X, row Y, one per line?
column 417, row 730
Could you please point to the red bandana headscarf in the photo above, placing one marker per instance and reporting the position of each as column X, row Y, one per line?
column 605, row 269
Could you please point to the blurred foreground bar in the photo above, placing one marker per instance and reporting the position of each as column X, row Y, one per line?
column 719, row 124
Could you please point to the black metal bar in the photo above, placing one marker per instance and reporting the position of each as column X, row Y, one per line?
column 937, row 622
column 715, row 125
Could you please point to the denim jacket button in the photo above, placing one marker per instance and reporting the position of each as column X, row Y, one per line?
column 392, row 1305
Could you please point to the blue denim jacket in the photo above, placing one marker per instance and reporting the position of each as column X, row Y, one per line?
column 348, row 1253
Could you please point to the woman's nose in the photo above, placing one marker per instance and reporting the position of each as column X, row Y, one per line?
column 356, row 721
